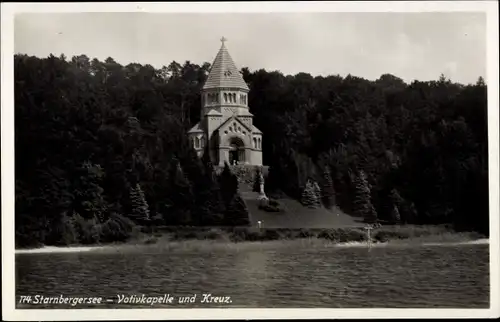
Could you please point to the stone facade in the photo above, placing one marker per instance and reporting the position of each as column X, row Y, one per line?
column 226, row 124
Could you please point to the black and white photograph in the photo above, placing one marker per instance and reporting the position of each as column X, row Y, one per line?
column 221, row 156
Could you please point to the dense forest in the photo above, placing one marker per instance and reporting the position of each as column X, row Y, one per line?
column 101, row 148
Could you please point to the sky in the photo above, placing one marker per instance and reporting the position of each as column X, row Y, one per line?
column 408, row 45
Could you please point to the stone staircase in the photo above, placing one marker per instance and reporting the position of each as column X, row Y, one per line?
column 245, row 174
column 246, row 178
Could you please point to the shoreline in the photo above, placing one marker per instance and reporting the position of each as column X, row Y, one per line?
column 404, row 242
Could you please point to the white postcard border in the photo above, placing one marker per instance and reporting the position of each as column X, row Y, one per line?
column 8, row 10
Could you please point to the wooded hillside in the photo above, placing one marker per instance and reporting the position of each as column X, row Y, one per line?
column 105, row 146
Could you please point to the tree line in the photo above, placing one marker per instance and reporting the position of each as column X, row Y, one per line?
column 101, row 148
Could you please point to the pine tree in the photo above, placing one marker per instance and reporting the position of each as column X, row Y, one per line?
column 317, row 192
column 328, row 192
column 410, row 213
column 67, row 230
column 228, row 184
column 396, row 199
column 236, row 213
column 210, row 204
column 363, row 206
column 395, row 216
column 310, row 196
column 406, row 210
column 140, row 208
column 89, row 194
column 180, row 196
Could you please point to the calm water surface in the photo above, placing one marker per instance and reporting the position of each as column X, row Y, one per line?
column 266, row 276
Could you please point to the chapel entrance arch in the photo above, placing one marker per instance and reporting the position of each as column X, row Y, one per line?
column 236, row 151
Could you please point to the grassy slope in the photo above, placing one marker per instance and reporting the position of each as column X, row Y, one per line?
column 298, row 216
column 295, row 215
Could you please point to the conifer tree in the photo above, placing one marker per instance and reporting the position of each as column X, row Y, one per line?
column 395, row 216
column 180, row 195
column 310, row 196
column 395, row 197
column 328, row 192
column 228, row 184
column 236, row 212
column 210, row 204
column 317, row 193
column 140, row 208
column 363, row 206
column 89, row 195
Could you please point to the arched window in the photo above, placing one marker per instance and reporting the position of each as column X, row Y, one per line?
column 259, row 144
column 255, row 143
column 230, row 129
column 234, row 97
column 225, row 98
column 202, row 142
column 197, row 143
column 239, row 129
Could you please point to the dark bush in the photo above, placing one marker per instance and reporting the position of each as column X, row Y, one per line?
column 271, row 234
column 270, row 208
column 383, row 236
column 272, row 205
column 306, row 233
column 214, row 234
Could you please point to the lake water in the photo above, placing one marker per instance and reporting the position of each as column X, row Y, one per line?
column 258, row 275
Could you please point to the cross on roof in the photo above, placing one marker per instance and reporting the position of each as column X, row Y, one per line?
column 223, row 39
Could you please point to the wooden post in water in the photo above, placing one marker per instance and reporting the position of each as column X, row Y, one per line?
column 369, row 235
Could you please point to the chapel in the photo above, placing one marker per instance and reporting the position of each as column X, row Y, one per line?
column 226, row 129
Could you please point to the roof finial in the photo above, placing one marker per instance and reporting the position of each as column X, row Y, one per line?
column 223, row 39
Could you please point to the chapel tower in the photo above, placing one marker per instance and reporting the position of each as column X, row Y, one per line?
column 226, row 124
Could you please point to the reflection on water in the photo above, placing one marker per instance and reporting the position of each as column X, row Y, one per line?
column 389, row 277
